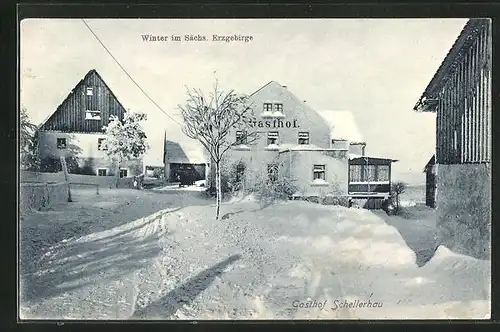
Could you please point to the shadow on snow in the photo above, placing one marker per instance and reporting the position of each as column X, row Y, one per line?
column 185, row 293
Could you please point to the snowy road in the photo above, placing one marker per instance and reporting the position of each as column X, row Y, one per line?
column 161, row 255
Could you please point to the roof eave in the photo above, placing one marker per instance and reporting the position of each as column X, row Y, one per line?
column 436, row 81
column 426, row 106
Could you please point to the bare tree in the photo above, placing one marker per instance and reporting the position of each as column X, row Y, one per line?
column 212, row 119
column 397, row 189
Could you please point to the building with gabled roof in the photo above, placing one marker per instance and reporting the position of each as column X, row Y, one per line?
column 460, row 95
column 323, row 153
column 75, row 130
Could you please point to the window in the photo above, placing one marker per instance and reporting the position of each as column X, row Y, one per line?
column 241, row 137
column 303, row 138
column 272, row 172
column 90, row 91
column 268, row 107
column 61, row 143
column 100, row 144
column 369, row 173
column 355, row 173
column 123, row 173
column 383, row 173
column 102, row 172
column 319, row 172
column 92, row 115
column 278, row 108
column 272, row 137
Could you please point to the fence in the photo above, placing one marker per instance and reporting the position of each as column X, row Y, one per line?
column 100, row 181
column 42, row 195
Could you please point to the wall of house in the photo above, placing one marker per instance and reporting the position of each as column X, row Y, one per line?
column 464, row 208
column 295, row 111
column 84, row 147
column 298, row 165
column 299, row 117
column 77, row 145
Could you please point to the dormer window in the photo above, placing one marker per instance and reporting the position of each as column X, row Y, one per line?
column 92, row 115
column 90, row 91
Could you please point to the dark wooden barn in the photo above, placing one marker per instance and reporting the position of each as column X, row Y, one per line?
column 460, row 95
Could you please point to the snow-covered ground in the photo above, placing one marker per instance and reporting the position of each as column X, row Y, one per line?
column 160, row 254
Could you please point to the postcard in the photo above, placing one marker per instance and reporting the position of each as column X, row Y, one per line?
column 255, row 169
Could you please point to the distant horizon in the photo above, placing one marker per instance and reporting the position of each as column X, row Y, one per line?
column 374, row 68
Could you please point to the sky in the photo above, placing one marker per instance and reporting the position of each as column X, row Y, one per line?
column 375, row 68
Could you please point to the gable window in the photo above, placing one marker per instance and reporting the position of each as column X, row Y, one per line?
column 268, row 107
column 241, row 137
column 101, row 144
column 61, row 143
column 272, row 172
column 102, row 172
column 278, row 108
column 92, row 115
column 304, row 138
column 272, row 138
column 319, row 172
column 123, row 173
column 90, row 91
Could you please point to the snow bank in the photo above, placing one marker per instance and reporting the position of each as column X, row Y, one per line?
column 407, row 203
column 355, row 236
column 242, row 199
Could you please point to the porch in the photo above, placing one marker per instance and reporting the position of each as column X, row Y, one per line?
column 369, row 181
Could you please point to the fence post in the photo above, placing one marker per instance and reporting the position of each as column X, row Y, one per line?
column 66, row 177
column 97, row 189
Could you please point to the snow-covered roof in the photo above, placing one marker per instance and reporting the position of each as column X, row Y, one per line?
column 299, row 147
column 343, row 125
column 185, row 151
column 355, row 156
